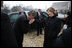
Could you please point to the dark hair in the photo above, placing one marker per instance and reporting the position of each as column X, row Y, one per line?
column 33, row 13
column 39, row 9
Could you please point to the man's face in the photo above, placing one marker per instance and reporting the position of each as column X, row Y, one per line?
column 30, row 17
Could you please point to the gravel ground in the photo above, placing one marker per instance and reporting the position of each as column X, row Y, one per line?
column 32, row 40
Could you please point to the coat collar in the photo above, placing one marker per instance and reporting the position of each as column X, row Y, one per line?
column 53, row 17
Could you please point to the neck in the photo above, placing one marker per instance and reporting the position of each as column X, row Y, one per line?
column 52, row 15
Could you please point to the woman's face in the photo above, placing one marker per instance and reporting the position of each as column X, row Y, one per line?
column 51, row 14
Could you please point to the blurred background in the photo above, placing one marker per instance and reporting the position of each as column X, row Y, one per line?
column 14, row 6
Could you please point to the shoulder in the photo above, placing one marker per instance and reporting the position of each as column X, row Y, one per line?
column 4, row 16
column 20, row 17
column 57, row 19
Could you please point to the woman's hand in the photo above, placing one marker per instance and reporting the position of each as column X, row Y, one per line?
column 31, row 21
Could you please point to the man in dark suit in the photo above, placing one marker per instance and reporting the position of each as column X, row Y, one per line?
column 22, row 26
column 40, row 21
column 23, row 13
column 8, row 38
column 41, row 17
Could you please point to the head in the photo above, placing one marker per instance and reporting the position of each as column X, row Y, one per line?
column 31, row 15
column 50, row 11
column 22, row 10
column 40, row 10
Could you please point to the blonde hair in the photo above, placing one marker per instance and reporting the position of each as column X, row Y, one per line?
column 51, row 9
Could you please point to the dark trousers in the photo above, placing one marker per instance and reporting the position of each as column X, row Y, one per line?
column 20, row 40
column 39, row 29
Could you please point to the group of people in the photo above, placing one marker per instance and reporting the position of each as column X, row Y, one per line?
column 13, row 36
column 25, row 23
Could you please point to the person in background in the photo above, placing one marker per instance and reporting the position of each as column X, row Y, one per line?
column 40, row 19
column 56, row 13
column 64, row 39
column 68, row 18
column 52, row 27
column 22, row 13
column 8, row 38
column 66, row 36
